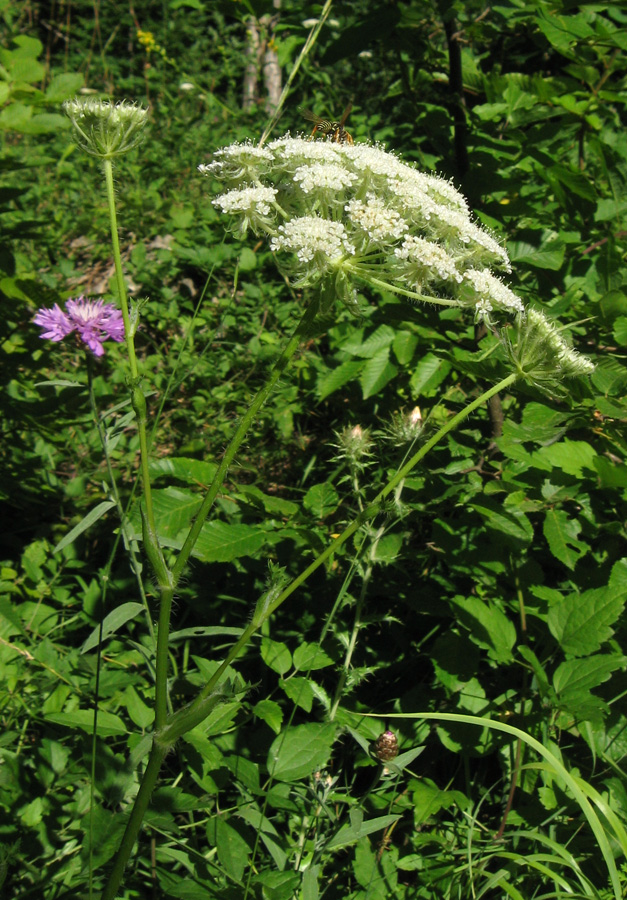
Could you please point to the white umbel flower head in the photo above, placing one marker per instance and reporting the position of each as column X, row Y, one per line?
column 340, row 215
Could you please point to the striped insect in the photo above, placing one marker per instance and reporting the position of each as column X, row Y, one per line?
column 333, row 131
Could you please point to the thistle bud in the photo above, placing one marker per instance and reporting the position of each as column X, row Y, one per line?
column 353, row 444
column 105, row 129
column 405, row 427
column 385, row 748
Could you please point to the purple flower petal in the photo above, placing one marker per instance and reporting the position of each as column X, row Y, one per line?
column 94, row 320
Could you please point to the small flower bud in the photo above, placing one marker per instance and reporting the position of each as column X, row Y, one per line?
column 405, row 427
column 105, row 129
column 353, row 444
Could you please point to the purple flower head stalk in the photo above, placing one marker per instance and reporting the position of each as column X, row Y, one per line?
column 94, row 321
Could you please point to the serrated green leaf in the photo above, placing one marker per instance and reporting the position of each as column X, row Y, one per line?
column 429, row 373
column 571, row 457
column 299, row 691
column 404, row 346
column 581, row 622
column 578, row 676
column 299, row 751
column 223, row 542
column 271, row 713
column 511, row 523
column 379, row 340
column 561, row 534
column 111, row 623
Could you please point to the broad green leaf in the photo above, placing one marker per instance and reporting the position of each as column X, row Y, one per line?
column 561, row 533
column 96, row 513
column 308, row 657
column 108, row 723
column 581, row 622
column 620, row 330
column 611, row 474
column 349, row 834
column 489, row 627
column 299, row 691
column 388, row 548
column 337, row 378
column 300, row 750
column 321, row 500
column 141, row 714
column 276, row 655
column 581, row 675
column 377, row 372
column 232, row 849
column 111, row 623
column 204, row 631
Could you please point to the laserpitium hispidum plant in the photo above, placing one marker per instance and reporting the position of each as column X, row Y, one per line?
column 340, row 218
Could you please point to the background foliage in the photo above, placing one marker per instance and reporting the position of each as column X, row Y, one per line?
column 498, row 591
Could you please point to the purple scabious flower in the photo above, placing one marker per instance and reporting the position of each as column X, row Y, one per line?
column 93, row 320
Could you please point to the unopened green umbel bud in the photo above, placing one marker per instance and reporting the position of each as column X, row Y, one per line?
column 105, row 129
column 541, row 356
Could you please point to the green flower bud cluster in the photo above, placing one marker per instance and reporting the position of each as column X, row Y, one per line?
column 340, row 214
column 104, row 129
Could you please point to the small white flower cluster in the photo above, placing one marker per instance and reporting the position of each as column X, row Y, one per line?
column 356, row 214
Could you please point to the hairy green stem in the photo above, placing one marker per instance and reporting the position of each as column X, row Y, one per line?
column 302, row 330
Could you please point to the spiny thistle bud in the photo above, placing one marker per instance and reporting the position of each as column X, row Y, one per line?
column 105, row 129
column 405, row 427
column 541, row 356
column 354, row 444
column 385, row 748
column 340, row 215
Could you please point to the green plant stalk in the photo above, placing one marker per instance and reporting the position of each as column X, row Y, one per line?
column 137, row 395
column 562, row 772
column 303, row 329
column 192, row 714
column 133, row 825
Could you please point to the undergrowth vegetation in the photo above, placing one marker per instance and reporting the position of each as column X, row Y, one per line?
column 314, row 586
